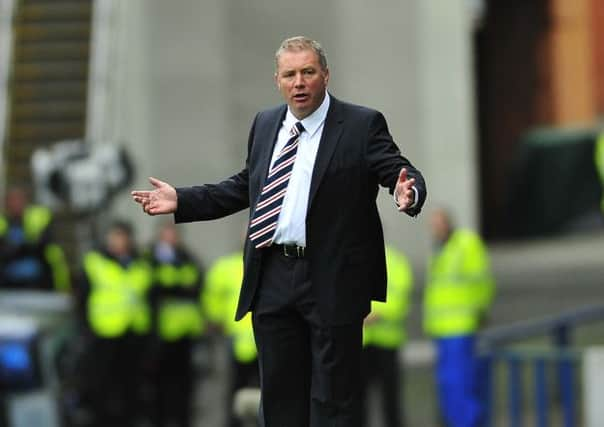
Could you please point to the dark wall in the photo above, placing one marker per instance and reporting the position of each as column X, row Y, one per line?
column 511, row 80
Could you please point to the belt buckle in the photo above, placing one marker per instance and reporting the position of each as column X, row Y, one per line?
column 296, row 252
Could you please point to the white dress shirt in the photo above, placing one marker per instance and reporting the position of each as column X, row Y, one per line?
column 291, row 226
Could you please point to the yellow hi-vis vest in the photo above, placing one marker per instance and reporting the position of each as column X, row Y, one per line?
column 244, row 344
column 459, row 288
column 178, row 317
column 118, row 296
column 36, row 220
column 599, row 158
column 219, row 300
column 388, row 330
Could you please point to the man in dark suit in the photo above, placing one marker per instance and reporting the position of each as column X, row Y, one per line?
column 314, row 254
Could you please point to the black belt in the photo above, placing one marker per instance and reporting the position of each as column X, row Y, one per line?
column 290, row 251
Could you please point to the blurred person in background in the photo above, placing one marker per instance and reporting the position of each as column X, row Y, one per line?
column 314, row 257
column 458, row 294
column 599, row 158
column 383, row 336
column 178, row 322
column 219, row 299
column 113, row 292
column 29, row 259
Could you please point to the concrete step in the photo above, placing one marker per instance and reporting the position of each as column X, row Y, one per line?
column 26, row 91
column 76, row 69
column 55, row 31
column 59, row 50
column 62, row 10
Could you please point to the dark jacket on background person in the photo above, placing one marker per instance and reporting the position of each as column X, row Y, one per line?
column 116, row 318
column 29, row 259
column 177, row 279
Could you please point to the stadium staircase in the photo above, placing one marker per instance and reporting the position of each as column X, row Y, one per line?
column 47, row 87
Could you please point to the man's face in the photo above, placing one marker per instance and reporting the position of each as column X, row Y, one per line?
column 301, row 81
column 16, row 202
column 118, row 243
column 439, row 226
column 169, row 235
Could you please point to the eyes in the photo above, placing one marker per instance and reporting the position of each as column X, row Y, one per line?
column 290, row 74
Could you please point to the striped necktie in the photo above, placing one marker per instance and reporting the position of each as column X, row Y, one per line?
column 264, row 222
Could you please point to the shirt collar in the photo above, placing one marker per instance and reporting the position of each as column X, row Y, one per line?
column 313, row 122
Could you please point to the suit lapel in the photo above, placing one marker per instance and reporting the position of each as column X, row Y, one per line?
column 270, row 136
column 329, row 140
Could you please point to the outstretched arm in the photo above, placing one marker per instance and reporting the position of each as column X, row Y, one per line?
column 393, row 170
column 161, row 200
column 198, row 203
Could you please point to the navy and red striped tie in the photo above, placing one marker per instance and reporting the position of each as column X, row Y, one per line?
column 264, row 222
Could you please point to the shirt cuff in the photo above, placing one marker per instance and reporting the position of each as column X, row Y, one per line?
column 415, row 199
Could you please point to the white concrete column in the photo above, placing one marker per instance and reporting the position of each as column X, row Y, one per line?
column 118, row 108
column 374, row 63
column 6, row 47
column 447, row 124
column 593, row 386
column 169, row 106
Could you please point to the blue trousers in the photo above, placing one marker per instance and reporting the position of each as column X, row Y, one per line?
column 457, row 379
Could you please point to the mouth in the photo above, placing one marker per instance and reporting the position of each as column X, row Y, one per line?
column 301, row 97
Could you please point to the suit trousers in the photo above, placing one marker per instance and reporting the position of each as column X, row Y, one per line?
column 309, row 369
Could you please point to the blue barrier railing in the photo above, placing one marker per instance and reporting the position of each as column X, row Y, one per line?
column 515, row 363
column 494, row 350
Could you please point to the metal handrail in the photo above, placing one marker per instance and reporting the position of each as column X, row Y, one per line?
column 559, row 327
column 501, row 335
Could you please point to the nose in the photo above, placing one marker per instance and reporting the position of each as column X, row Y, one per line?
column 299, row 82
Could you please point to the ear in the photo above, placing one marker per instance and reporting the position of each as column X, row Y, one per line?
column 326, row 77
column 276, row 77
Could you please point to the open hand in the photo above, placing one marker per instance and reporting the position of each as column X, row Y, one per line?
column 161, row 200
column 405, row 196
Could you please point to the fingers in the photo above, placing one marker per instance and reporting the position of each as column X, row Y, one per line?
column 404, row 190
column 156, row 182
column 138, row 198
column 402, row 176
column 409, row 183
column 148, row 207
column 141, row 197
column 403, row 205
column 405, row 193
column 144, row 199
column 161, row 200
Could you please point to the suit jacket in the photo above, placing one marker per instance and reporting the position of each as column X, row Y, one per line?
column 344, row 237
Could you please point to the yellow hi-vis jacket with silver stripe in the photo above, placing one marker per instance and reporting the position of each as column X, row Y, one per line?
column 178, row 316
column 599, row 158
column 117, row 302
column 36, row 220
column 219, row 300
column 385, row 328
column 459, row 287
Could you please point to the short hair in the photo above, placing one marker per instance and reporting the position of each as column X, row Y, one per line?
column 299, row 43
column 446, row 213
column 122, row 226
